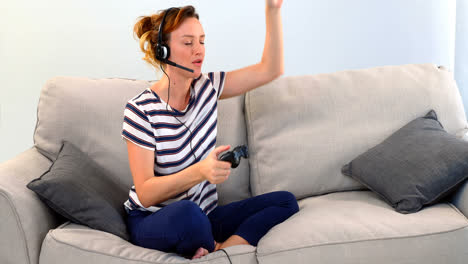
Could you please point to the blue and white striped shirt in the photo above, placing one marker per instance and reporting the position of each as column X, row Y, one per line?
column 149, row 125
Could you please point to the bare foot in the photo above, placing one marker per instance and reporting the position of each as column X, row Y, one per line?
column 217, row 246
column 200, row 253
column 232, row 241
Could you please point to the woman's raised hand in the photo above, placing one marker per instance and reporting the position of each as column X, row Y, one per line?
column 274, row 3
column 214, row 170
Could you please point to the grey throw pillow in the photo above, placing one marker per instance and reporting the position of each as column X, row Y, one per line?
column 77, row 188
column 417, row 165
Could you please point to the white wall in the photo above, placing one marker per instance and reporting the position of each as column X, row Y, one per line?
column 45, row 38
column 461, row 50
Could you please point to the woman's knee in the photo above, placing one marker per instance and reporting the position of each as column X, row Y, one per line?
column 194, row 219
column 288, row 200
column 186, row 206
column 195, row 229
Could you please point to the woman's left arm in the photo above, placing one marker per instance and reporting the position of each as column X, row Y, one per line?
column 270, row 67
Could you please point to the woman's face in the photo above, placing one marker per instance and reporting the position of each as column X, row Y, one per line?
column 187, row 44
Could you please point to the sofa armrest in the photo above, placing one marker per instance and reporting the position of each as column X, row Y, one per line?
column 25, row 220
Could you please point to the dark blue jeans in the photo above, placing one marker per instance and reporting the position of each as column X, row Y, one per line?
column 182, row 227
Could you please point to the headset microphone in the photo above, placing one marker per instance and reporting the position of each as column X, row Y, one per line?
column 177, row 65
column 162, row 50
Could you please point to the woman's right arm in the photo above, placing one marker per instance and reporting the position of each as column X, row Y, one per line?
column 154, row 190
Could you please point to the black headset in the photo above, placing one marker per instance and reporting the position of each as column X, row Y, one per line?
column 162, row 51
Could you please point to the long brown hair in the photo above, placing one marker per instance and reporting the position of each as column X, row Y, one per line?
column 147, row 29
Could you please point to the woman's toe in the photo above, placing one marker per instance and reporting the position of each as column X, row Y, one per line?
column 200, row 253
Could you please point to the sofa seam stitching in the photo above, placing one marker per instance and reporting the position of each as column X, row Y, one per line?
column 39, row 101
column 243, row 110
column 52, row 236
column 52, row 83
column 363, row 240
column 249, row 136
column 20, row 227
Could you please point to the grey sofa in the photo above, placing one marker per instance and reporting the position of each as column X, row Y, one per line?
column 300, row 130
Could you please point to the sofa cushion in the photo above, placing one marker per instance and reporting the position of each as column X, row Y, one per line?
column 359, row 227
column 302, row 129
column 417, row 165
column 76, row 244
column 89, row 113
column 79, row 190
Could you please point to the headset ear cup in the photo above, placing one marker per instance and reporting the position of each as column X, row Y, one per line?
column 166, row 52
column 158, row 52
column 162, row 52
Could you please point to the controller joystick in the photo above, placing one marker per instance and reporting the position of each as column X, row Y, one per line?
column 235, row 155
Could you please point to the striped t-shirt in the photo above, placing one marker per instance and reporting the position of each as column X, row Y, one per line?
column 149, row 125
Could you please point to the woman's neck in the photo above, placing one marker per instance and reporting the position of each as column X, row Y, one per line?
column 179, row 90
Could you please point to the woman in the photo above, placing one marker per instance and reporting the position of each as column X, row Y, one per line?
column 170, row 129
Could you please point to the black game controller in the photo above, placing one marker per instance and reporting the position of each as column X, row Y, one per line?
column 235, row 155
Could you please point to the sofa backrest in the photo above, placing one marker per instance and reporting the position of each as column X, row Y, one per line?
column 303, row 129
column 89, row 113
